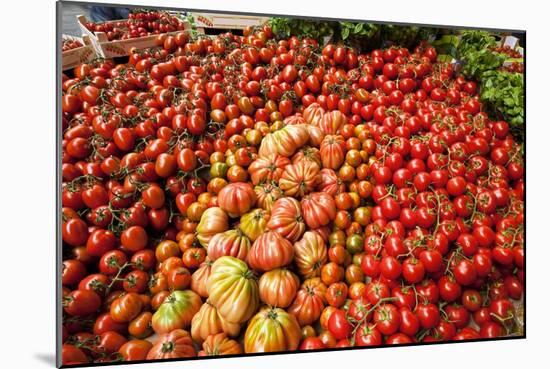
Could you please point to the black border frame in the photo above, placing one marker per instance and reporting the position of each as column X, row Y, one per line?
column 58, row 210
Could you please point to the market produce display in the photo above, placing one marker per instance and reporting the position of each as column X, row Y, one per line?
column 232, row 194
column 140, row 23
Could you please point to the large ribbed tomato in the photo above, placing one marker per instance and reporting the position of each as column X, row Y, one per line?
column 332, row 121
column 307, row 153
column 284, row 141
column 229, row 243
column 295, row 119
column 316, row 135
column 254, row 223
column 267, row 194
column 176, row 311
column 309, row 302
column 219, row 345
column 232, row 289
column 310, row 254
column 270, row 251
column 207, row 321
column 271, row 330
column 213, row 221
column 126, row 307
column 278, row 287
column 286, row 219
column 267, row 168
column 299, row 179
column 313, row 114
column 318, row 209
column 174, row 345
column 333, row 151
column 199, row 278
column 237, row 198
column 330, row 183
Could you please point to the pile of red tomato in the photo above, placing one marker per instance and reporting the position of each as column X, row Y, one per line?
column 69, row 44
column 238, row 194
column 140, row 23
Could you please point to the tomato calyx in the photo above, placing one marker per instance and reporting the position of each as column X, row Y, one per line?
column 168, row 347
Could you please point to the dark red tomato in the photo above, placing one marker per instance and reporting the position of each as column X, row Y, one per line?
column 413, row 270
column 338, row 325
column 398, row 339
column 484, row 235
column 468, row 244
column 71, row 354
column 312, row 343
column 390, row 208
column 368, row 335
column 465, row 272
column 390, row 267
column 409, row 322
column 111, row 262
column 73, row 271
column 432, row 260
column 111, row 342
column 100, row 241
column 405, row 297
column 74, row 232
column 483, row 264
column 95, row 282
column 472, row 300
column 481, row 316
column 491, row 330
column 466, row 334
column 81, row 303
column 502, row 310
column 456, row 186
column 428, row 315
column 95, row 196
column 514, row 287
column 105, row 323
column 387, row 318
column 449, row 289
column 425, row 217
column 486, row 202
column 377, row 290
column 370, row 265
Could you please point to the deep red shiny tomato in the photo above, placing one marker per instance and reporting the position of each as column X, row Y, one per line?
column 387, row 319
column 428, row 315
column 338, row 325
column 81, row 303
column 100, row 241
column 368, row 335
column 312, row 343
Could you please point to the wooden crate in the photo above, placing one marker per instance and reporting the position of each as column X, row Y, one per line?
column 72, row 58
column 226, row 21
column 117, row 48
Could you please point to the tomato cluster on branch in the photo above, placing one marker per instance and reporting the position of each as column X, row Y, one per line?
column 140, row 23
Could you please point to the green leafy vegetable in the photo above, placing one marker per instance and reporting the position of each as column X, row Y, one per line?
column 501, row 92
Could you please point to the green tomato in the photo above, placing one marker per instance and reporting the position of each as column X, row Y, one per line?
column 176, row 311
column 218, row 170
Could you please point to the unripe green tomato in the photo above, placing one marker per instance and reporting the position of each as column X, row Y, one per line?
column 354, row 244
column 218, row 170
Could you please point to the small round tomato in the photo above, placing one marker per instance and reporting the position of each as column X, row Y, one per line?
column 81, row 303
column 338, row 325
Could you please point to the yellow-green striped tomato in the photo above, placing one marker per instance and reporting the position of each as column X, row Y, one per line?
column 176, row 311
column 233, row 289
column 271, row 330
